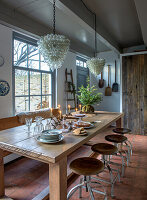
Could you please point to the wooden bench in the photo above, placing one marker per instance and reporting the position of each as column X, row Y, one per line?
column 18, row 120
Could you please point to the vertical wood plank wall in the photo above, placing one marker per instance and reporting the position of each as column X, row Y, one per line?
column 134, row 89
column 145, row 95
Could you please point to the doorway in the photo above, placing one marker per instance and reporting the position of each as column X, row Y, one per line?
column 82, row 73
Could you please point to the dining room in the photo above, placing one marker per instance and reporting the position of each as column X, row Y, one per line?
column 73, row 100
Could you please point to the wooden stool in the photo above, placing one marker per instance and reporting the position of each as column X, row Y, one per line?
column 106, row 150
column 116, row 138
column 86, row 167
column 119, row 139
column 123, row 131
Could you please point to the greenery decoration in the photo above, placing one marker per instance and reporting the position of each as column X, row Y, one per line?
column 88, row 95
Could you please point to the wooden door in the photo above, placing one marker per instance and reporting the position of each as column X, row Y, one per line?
column 134, row 92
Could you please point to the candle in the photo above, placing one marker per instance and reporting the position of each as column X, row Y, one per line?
column 60, row 114
column 76, row 110
column 69, row 108
column 80, row 107
column 51, row 112
column 59, row 106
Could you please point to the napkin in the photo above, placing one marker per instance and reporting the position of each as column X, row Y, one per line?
column 79, row 131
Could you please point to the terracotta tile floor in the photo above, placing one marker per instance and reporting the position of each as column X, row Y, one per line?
column 26, row 178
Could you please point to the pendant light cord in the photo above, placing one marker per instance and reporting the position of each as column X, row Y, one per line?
column 94, row 25
column 95, row 36
column 54, row 17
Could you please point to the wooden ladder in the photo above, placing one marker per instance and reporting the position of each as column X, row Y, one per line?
column 70, row 90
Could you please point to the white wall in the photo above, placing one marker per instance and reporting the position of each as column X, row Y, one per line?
column 69, row 63
column 109, row 103
column 6, row 69
column 6, row 104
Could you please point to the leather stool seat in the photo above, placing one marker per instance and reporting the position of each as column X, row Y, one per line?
column 86, row 166
column 121, row 130
column 104, row 148
column 116, row 138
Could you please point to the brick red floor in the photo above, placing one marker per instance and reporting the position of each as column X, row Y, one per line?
column 26, row 178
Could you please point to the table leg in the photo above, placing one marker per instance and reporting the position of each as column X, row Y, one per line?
column 119, row 123
column 58, row 180
column 2, row 188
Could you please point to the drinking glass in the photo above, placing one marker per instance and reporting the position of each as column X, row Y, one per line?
column 28, row 124
column 48, row 125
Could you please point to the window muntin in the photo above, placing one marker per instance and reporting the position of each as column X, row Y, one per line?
column 81, row 62
column 32, row 80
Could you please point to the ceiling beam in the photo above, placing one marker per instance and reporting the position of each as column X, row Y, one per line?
column 22, row 23
column 77, row 10
column 141, row 6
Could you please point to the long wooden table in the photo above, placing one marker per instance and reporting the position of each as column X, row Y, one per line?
column 16, row 140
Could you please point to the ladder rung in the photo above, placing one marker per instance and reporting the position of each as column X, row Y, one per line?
column 68, row 73
column 69, row 91
column 69, row 99
column 72, row 108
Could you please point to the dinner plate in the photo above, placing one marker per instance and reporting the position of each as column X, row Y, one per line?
column 52, row 131
column 79, row 115
column 86, row 127
column 81, row 134
column 39, row 139
column 91, row 126
column 51, row 134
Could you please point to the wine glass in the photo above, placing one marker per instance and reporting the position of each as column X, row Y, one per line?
column 28, row 124
column 48, row 125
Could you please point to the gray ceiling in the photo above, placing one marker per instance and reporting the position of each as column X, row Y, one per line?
column 119, row 18
column 120, row 24
column 41, row 11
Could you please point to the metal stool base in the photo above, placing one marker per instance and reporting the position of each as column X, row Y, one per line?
column 85, row 183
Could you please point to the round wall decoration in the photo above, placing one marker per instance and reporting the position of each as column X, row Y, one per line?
column 4, row 88
column 1, row 61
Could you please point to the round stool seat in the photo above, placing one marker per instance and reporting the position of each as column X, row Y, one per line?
column 86, row 166
column 104, row 148
column 121, row 130
column 116, row 138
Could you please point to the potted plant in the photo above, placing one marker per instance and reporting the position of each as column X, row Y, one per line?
column 88, row 96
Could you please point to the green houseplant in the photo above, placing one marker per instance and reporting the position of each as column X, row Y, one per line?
column 88, row 96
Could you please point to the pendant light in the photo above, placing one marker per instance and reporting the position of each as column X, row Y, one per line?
column 54, row 47
column 95, row 64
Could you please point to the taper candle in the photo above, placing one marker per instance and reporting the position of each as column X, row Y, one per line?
column 80, row 106
column 60, row 114
column 69, row 108
column 76, row 110
column 51, row 112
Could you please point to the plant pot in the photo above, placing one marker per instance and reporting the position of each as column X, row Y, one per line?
column 88, row 108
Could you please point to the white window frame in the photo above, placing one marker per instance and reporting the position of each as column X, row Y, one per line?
column 29, row 40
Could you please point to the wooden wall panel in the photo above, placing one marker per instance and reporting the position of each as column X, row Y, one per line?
column 145, row 95
column 134, row 83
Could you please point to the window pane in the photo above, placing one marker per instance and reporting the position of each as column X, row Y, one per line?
column 44, row 66
column 81, row 63
column 46, row 102
column 77, row 62
column 85, row 64
column 35, row 103
column 46, row 83
column 20, row 53
column 41, row 58
column 21, row 82
column 35, row 83
column 21, row 104
column 33, row 57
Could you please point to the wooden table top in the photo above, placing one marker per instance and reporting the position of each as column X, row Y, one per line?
column 16, row 140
